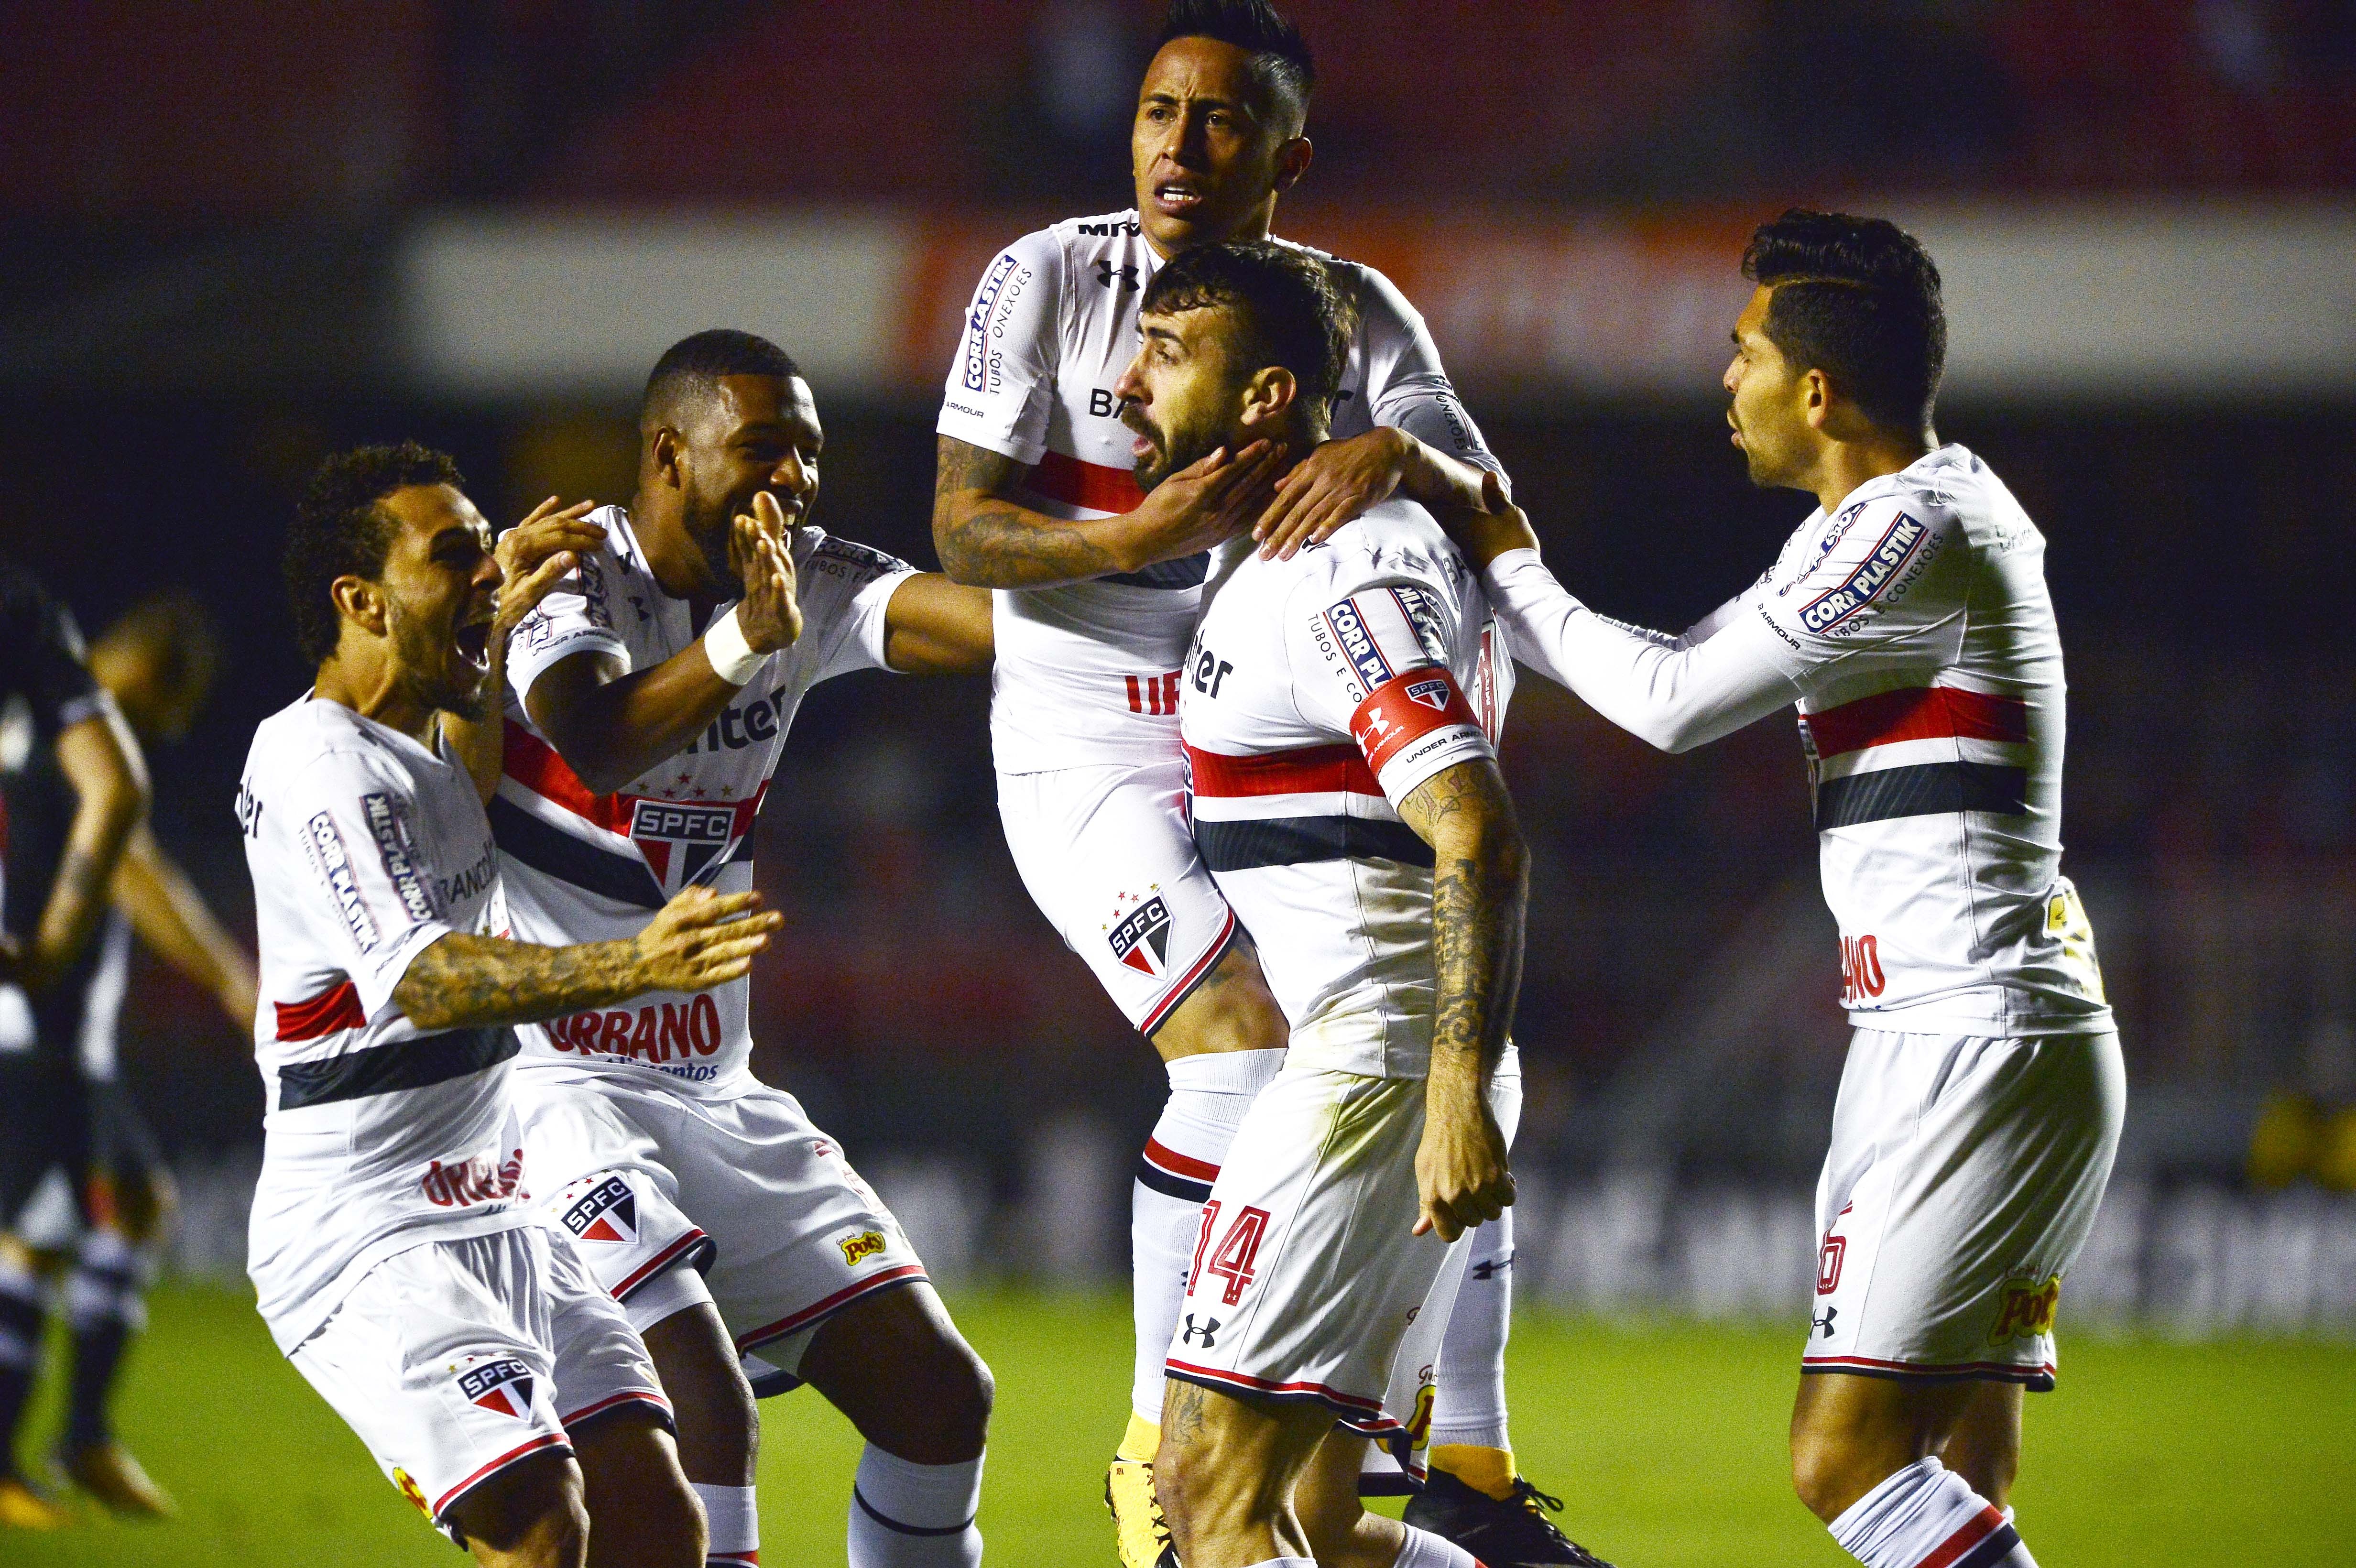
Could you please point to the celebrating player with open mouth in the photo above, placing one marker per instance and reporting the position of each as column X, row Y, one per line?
column 651, row 698
column 1099, row 587
column 1980, row 1107
column 397, row 1265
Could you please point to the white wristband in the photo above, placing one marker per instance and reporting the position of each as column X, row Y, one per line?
column 733, row 658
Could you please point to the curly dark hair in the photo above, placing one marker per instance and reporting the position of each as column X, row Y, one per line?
column 341, row 531
column 1286, row 296
column 1858, row 299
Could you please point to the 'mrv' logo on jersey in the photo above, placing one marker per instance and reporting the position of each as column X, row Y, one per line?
column 699, row 835
column 1142, row 940
column 504, row 1386
column 1357, row 646
column 1878, row 569
column 1433, row 694
column 608, row 1212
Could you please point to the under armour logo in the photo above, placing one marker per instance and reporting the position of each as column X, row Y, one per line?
column 1825, row 1323
column 1490, row 1268
column 1107, row 274
column 1208, row 1328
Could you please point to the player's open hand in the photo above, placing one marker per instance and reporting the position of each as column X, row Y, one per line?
column 1334, row 484
column 536, row 553
column 1461, row 1177
column 770, row 615
column 1206, row 503
column 702, row 939
column 1499, row 525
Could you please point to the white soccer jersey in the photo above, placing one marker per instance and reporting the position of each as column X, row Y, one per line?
column 1319, row 692
column 1087, row 673
column 1914, row 630
column 583, row 867
column 365, row 849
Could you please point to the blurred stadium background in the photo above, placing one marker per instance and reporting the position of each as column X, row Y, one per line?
column 240, row 235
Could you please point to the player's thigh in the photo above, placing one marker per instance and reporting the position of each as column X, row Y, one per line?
column 933, row 1408
column 642, row 1510
column 440, row 1359
column 44, row 1126
column 598, row 1151
column 1108, row 857
column 1972, row 1190
column 802, row 1236
column 1850, row 1431
column 529, row 1515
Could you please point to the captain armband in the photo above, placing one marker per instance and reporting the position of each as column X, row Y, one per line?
column 1423, row 705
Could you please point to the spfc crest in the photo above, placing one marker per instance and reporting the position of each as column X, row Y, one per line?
column 607, row 1212
column 1433, row 693
column 1142, row 939
column 504, row 1386
column 679, row 841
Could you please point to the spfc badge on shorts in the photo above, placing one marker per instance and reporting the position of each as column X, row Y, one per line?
column 2027, row 1309
column 1142, row 939
column 607, row 1212
column 680, row 840
column 857, row 1249
column 1433, row 693
column 503, row 1386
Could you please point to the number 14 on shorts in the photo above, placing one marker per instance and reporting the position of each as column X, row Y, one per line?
column 1236, row 1254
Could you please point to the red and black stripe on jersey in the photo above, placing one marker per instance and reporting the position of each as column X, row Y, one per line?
column 1921, row 789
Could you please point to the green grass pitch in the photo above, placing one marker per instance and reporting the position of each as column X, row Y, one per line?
column 1665, row 1438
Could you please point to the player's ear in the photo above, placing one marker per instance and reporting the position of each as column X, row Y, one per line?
column 362, row 602
column 1269, row 395
column 1816, row 399
column 1292, row 161
column 663, row 450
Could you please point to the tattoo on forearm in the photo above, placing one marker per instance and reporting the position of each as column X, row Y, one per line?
column 1477, row 907
column 465, row 981
column 998, row 544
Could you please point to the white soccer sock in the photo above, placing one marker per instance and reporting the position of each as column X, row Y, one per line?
column 732, row 1524
column 1208, row 1096
column 1422, row 1548
column 1927, row 1513
column 1469, row 1409
column 906, row 1515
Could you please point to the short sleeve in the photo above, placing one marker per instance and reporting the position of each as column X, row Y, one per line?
column 44, row 654
column 860, row 582
column 1002, row 384
column 1370, row 661
column 1877, row 583
column 362, row 870
column 576, row 617
column 1407, row 388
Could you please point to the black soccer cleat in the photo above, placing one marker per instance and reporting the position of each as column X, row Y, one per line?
column 1515, row 1534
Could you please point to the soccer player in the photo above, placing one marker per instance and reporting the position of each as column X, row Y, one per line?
column 1346, row 798
column 1098, row 589
column 1908, row 618
column 157, row 662
column 399, row 1263
column 651, row 696
column 56, row 901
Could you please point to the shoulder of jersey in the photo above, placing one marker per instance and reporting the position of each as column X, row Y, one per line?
column 304, row 731
column 1373, row 544
column 620, row 542
column 864, row 561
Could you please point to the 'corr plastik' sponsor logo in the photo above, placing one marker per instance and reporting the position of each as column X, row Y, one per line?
column 1876, row 571
column 335, row 869
column 1358, row 644
column 978, row 326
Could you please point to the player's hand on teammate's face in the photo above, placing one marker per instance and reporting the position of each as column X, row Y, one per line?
column 1206, row 503
column 770, row 615
column 1461, row 1175
column 1333, row 485
column 1485, row 535
column 702, row 939
column 536, row 553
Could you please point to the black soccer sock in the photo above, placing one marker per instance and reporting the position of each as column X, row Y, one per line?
column 104, row 1308
column 20, row 1351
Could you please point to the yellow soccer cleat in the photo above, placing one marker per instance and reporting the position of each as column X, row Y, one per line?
column 22, row 1508
column 109, row 1474
column 1139, row 1530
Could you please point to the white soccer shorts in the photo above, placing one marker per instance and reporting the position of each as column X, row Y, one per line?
column 453, row 1359
column 1109, row 859
column 1308, row 1284
column 1962, row 1179
column 741, row 1184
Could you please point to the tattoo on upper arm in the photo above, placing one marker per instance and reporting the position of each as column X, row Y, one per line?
column 998, row 544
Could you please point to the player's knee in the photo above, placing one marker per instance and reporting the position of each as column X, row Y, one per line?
column 960, row 1392
column 530, row 1515
column 1824, row 1473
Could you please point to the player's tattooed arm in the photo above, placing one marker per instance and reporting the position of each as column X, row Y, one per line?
column 102, row 761
column 1480, row 899
column 987, row 540
column 699, row 940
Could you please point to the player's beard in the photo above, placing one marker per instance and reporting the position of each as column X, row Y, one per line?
column 708, row 525
column 433, row 672
column 1172, row 450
